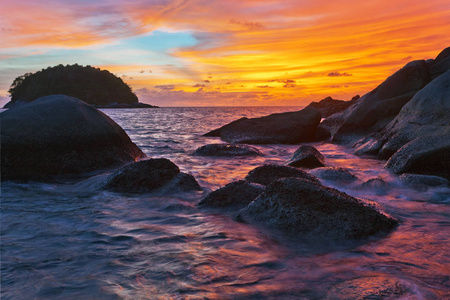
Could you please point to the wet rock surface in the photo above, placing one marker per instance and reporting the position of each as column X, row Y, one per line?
column 142, row 176
column 307, row 157
column 303, row 207
column 281, row 128
column 235, row 194
column 60, row 135
column 334, row 174
column 226, row 150
column 266, row 174
column 422, row 182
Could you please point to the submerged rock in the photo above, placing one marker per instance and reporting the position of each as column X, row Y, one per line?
column 371, row 287
column 281, row 128
column 236, row 194
column 301, row 206
column 428, row 155
column 142, row 176
column 268, row 173
column 61, row 135
column 376, row 185
column 183, row 182
column 226, row 150
column 422, row 182
column 307, row 157
column 335, row 174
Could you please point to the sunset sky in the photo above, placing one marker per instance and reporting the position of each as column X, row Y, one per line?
column 227, row 52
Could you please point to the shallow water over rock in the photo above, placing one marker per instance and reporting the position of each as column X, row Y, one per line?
column 72, row 239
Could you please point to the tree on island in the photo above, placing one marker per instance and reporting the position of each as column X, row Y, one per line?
column 92, row 85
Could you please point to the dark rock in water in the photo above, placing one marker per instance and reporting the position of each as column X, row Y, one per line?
column 216, row 132
column 142, row 176
column 376, row 185
column 182, row 182
column 307, row 157
column 301, row 206
column 236, row 194
column 282, row 128
column 375, row 110
column 226, row 150
column 339, row 175
column 330, row 106
column 268, row 173
column 428, row 155
column 60, row 135
column 372, row 287
column 423, row 182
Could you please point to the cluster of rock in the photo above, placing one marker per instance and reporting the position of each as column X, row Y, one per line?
column 290, row 200
column 406, row 119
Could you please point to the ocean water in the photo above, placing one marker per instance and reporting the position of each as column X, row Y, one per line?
column 72, row 240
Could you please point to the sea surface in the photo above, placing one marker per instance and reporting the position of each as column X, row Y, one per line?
column 72, row 240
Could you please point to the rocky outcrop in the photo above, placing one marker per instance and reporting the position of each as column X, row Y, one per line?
column 307, row 157
column 226, row 150
column 300, row 206
column 217, row 132
column 268, row 173
column 282, row 128
column 150, row 175
column 334, row 174
column 60, row 135
column 330, row 106
column 428, row 155
column 236, row 194
column 427, row 114
column 375, row 110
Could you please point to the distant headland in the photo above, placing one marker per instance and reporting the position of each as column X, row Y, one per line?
column 99, row 88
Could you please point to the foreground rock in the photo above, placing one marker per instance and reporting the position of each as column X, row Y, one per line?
column 334, row 174
column 428, row 155
column 330, row 106
column 307, row 157
column 149, row 175
column 268, row 173
column 300, row 206
column 60, row 135
column 282, row 128
column 226, row 150
column 237, row 194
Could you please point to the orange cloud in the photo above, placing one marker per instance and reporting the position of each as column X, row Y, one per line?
column 295, row 51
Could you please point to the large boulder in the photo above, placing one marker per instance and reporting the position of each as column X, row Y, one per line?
column 428, row 155
column 330, row 106
column 307, row 157
column 427, row 114
column 266, row 174
column 150, row 175
column 61, row 135
column 218, row 131
column 376, row 109
column 303, row 207
column 226, row 150
column 236, row 194
column 281, row 128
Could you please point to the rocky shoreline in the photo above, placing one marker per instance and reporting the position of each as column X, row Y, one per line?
column 405, row 120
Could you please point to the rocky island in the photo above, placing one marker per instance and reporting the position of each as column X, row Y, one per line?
column 99, row 88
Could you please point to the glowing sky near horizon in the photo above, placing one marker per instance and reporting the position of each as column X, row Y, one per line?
column 221, row 53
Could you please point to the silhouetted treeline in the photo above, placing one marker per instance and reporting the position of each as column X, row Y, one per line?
column 87, row 83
